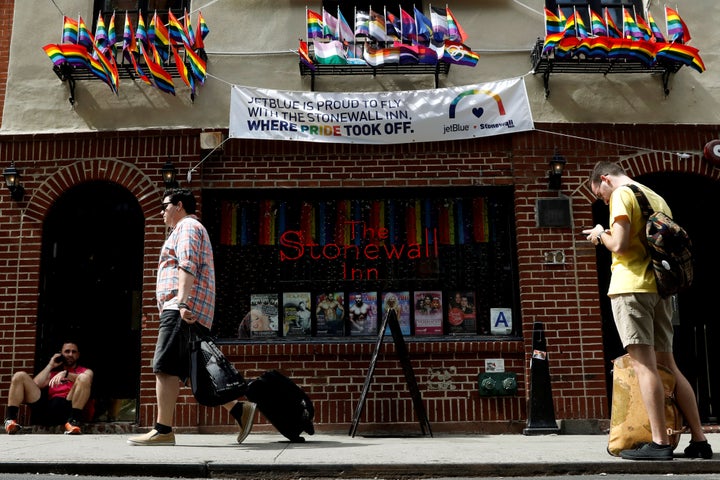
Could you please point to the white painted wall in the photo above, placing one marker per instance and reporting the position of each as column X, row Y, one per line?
column 251, row 43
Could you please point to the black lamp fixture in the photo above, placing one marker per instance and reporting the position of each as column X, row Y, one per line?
column 557, row 164
column 12, row 181
column 168, row 173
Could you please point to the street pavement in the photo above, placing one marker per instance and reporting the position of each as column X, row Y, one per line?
column 269, row 455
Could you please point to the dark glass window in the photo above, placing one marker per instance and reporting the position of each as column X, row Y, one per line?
column 447, row 254
column 132, row 7
column 614, row 8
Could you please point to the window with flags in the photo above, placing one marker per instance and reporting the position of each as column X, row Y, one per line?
column 611, row 11
column 132, row 7
column 446, row 256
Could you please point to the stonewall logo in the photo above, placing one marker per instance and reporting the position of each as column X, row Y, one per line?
column 478, row 112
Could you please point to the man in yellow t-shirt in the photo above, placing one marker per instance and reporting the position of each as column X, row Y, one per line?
column 643, row 318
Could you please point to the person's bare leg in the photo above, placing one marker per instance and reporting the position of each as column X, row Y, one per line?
column 651, row 389
column 167, row 389
column 22, row 390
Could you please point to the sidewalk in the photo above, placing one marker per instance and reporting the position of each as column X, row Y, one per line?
column 331, row 456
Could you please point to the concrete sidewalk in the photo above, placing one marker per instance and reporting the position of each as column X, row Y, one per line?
column 334, row 456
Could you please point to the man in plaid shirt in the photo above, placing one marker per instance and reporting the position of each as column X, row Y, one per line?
column 186, row 295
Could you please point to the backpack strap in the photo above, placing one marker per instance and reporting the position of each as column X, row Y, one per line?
column 641, row 199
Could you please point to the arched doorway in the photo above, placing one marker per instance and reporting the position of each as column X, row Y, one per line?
column 90, row 289
column 697, row 330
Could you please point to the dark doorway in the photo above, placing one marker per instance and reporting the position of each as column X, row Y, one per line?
column 696, row 327
column 90, row 290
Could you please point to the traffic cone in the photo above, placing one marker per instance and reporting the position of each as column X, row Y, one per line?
column 541, row 410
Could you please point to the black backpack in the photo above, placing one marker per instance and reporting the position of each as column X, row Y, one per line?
column 669, row 246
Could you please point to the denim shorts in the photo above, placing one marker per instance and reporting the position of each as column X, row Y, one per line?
column 172, row 350
column 644, row 319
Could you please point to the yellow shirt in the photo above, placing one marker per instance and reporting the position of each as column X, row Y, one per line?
column 631, row 271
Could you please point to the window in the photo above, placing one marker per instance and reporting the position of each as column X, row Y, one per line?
column 447, row 255
column 583, row 7
column 147, row 7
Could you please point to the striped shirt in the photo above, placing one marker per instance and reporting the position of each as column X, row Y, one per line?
column 188, row 247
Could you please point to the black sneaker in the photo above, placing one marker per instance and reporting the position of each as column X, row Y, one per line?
column 649, row 451
column 699, row 450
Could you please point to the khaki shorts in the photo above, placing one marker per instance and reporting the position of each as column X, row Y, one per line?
column 643, row 319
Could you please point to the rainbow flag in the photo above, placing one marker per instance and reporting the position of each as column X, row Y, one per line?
column 163, row 80
column 70, row 30
column 656, row 32
column 75, row 55
column 101, row 70
column 459, row 54
column 202, row 27
column 187, row 24
column 551, row 41
column 597, row 25
column 85, row 38
column 185, row 75
column 644, row 51
column 676, row 29
column 598, row 47
column 160, row 36
column 575, row 27
column 630, row 27
column 112, row 35
column 109, row 65
column 314, row 24
column 101, row 36
column 129, row 44
column 644, row 28
column 141, row 32
column 552, row 23
column 685, row 54
column 56, row 55
column 613, row 30
column 197, row 64
column 176, row 29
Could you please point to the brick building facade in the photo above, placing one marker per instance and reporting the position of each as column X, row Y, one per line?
column 564, row 296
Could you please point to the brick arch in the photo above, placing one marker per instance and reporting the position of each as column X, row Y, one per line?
column 652, row 162
column 126, row 174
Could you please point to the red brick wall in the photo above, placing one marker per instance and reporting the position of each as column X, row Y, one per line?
column 563, row 297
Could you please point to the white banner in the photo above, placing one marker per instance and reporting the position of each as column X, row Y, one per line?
column 439, row 114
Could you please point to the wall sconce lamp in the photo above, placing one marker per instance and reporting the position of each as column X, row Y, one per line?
column 557, row 164
column 12, row 181
column 168, row 173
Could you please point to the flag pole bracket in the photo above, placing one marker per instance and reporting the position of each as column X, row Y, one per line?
column 440, row 68
column 64, row 72
column 547, row 64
